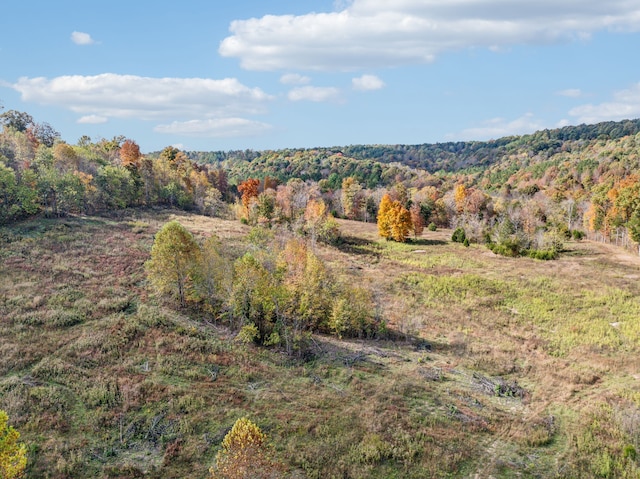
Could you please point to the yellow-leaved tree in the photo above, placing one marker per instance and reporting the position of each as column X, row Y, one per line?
column 245, row 455
column 394, row 220
column 385, row 217
column 401, row 224
column 13, row 455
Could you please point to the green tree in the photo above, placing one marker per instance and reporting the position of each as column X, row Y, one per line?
column 117, row 187
column 174, row 259
column 17, row 120
column 257, row 297
column 214, row 274
column 9, row 207
column 13, row 455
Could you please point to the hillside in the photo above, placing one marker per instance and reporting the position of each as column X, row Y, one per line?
column 371, row 164
column 493, row 366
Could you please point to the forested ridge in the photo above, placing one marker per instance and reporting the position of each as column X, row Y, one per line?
column 448, row 157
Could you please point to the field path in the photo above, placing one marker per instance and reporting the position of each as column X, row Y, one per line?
column 616, row 253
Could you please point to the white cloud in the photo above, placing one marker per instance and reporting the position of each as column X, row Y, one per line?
column 570, row 92
column 625, row 105
column 314, row 93
column 367, row 82
column 294, row 79
column 92, row 119
column 364, row 34
column 215, row 128
column 81, row 38
column 127, row 96
column 500, row 127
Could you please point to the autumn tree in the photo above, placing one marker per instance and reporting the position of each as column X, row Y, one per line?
column 249, row 190
column 130, row 154
column 245, row 454
column 13, row 455
column 460, row 196
column 417, row 219
column 319, row 224
column 351, row 199
column 65, row 157
column 219, row 180
column 401, row 222
column 385, row 217
column 174, row 260
column 394, row 220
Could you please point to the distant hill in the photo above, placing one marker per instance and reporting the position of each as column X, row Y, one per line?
column 380, row 165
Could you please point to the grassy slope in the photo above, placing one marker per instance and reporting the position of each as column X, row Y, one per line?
column 105, row 381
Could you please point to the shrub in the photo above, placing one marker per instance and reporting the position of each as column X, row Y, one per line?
column 458, row 235
column 13, row 455
column 577, row 235
column 542, row 254
column 244, row 454
column 353, row 314
column 432, row 227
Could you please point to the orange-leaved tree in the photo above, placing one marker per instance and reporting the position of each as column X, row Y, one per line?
column 250, row 190
column 417, row 219
column 130, row 154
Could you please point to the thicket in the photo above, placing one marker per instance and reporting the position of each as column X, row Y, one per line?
column 275, row 294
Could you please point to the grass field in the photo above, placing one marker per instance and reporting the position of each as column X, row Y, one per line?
column 495, row 367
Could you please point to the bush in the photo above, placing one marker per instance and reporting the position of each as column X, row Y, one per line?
column 543, row 254
column 577, row 235
column 432, row 227
column 353, row 314
column 458, row 235
column 510, row 248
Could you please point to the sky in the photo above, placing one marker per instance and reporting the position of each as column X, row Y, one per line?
column 219, row 75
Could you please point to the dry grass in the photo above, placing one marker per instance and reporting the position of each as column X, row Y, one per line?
column 104, row 380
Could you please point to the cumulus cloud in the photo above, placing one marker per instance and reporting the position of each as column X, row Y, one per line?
column 570, row 92
column 127, row 96
column 314, row 93
column 363, row 34
column 500, row 127
column 81, row 38
column 625, row 105
column 92, row 119
column 294, row 79
column 367, row 82
column 215, row 128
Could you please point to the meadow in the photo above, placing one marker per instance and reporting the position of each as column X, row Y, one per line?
column 492, row 366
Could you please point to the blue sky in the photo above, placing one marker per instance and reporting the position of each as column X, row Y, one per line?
column 212, row 75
